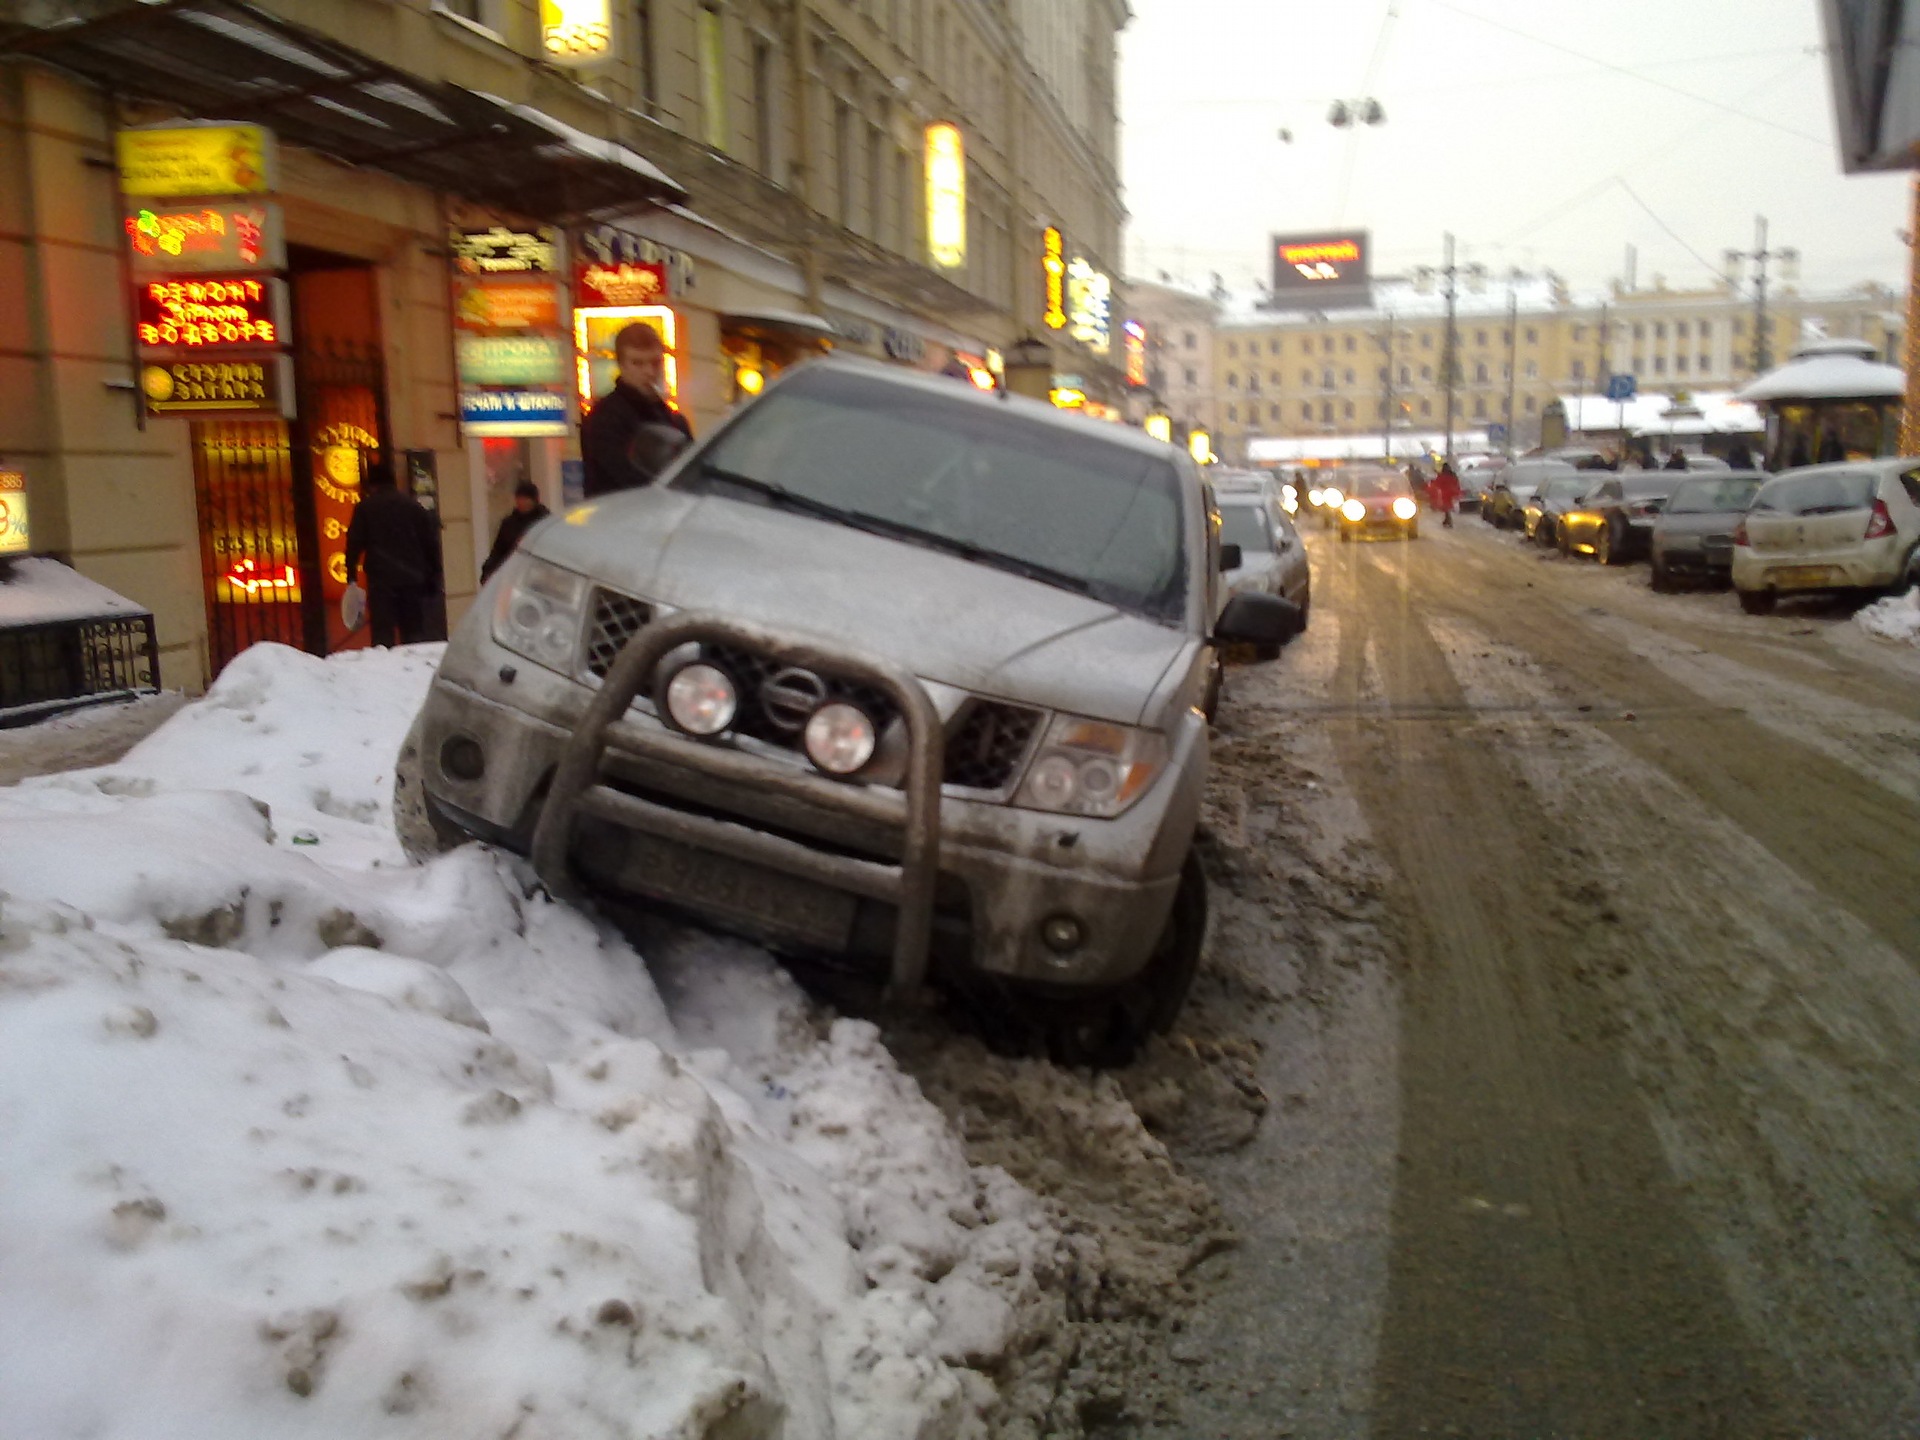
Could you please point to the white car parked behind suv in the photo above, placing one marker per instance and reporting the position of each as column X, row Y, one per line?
column 1849, row 526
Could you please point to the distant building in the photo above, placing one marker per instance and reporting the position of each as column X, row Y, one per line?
column 1180, row 347
column 1358, row 375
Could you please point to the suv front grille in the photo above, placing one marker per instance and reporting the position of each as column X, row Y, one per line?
column 988, row 742
column 616, row 619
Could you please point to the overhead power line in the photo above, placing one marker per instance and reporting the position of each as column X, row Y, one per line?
column 1630, row 73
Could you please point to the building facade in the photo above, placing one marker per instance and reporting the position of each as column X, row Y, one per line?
column 1361, row 374
column 751, row 177
column 1179, row 326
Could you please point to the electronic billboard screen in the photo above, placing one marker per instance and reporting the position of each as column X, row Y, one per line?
column 1321, row 271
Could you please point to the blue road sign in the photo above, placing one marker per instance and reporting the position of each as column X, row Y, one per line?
column 1621, row 387
column 1496, row 434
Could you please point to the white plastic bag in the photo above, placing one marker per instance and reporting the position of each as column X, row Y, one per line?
column 353, row 608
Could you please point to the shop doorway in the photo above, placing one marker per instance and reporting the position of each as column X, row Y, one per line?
column 274, row 496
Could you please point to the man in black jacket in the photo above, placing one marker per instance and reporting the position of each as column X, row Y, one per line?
column 399, row 540
column 527, row 512
column 631, row 432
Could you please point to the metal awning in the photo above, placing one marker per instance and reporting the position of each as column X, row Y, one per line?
column 779, row 325
column 229, row 60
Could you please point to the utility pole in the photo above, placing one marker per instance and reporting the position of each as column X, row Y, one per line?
column 1449, row 346
column 1513, row 353
column 1385, row 339
column 1760, row 255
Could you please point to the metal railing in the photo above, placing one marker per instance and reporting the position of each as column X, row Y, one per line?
column 913, row 809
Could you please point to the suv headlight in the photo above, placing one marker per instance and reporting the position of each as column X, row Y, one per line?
column 538, row 613
column 1092, row 767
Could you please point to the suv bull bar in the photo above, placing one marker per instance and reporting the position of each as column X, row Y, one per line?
column 913, row 809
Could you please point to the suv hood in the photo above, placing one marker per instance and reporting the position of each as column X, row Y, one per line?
column 944, row 618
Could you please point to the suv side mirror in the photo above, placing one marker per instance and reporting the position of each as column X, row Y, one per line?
column 1252, row 618
column 1230, row 557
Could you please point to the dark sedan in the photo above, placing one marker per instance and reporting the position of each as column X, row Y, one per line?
column 1507, row 496
column 1693, row 536
column 1614, row 524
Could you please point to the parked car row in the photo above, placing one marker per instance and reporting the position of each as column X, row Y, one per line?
column 1851, row 526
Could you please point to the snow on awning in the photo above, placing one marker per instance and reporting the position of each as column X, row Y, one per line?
column 1831, row 370
column 228, row 59
column 37, row 590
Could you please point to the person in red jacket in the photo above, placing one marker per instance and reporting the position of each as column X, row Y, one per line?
column 1443, row 493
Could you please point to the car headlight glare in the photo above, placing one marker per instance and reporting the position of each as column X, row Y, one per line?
column 840, row 738
column 1404, row 508
column 1354, row 511
column 1092, row 767
column 539, row 612
column 1314, row 497
column 701, row 699
column 1333, row 496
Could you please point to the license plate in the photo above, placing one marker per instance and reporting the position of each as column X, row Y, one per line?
column 1802, row 577
column 753, row 895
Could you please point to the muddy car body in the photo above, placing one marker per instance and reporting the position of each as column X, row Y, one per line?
column 865, row 538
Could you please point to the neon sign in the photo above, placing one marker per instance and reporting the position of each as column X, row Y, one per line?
column 946, row 195
column 256, row 581
column 228, row 314
column 1056, row 268
column 205, row 238
column 1321, row 264
column 1090, row 305
column 575, row 32
column 1136, row 342
column 199, row 387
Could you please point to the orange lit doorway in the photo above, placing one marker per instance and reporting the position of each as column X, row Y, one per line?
column 274, row 497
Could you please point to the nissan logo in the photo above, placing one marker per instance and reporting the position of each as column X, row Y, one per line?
column 789, row 696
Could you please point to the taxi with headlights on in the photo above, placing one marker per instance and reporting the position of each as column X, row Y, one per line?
column 1379, row 504
column 886, row 673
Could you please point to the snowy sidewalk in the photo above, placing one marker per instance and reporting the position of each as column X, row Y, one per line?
column 303, row 1141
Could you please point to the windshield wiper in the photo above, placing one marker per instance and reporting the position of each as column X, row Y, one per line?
column 894, row 529
column 792, row 499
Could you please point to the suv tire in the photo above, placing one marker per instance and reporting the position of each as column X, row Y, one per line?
column 1756, row 602
column 421, row 836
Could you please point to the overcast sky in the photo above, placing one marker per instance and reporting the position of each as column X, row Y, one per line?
column 1526, row 127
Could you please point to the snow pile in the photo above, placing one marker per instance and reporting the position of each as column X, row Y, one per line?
column 1895, row 618
column 302, row 1141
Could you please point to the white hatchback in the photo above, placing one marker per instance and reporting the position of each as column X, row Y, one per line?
column 1849, row 526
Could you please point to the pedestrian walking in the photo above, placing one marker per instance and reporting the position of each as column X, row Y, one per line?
column 1443, row 492
column 398, row 541
column 1739, row 457
column 632, row 432
column 1676, row 460
column 527, row 512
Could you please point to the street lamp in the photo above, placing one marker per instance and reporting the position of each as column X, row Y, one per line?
column 1367, row 111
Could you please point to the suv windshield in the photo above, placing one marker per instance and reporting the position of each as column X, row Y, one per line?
column 1822, row 494
column 1702, row 497
column 1038, row 498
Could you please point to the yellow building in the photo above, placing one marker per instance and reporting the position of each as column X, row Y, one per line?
column 764, row 167
column 1347, row 376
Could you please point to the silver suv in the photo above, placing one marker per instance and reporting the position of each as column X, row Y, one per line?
column 884, row 670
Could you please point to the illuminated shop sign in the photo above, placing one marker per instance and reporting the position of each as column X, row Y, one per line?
column 498, row 250
column 1318, row 269
column 171, row 160
column 576, row 32
column 513, row 412
column 610, row 246
column 625, row 282
column 594, row 330
column 1136, row 342
column 13, row 513
column 229, row 314
column 1089, row 306
column 212, row 386
column 199, row 239
column 946, row 195
column 512, row 360
column 508, row 305
column 1056, row 267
